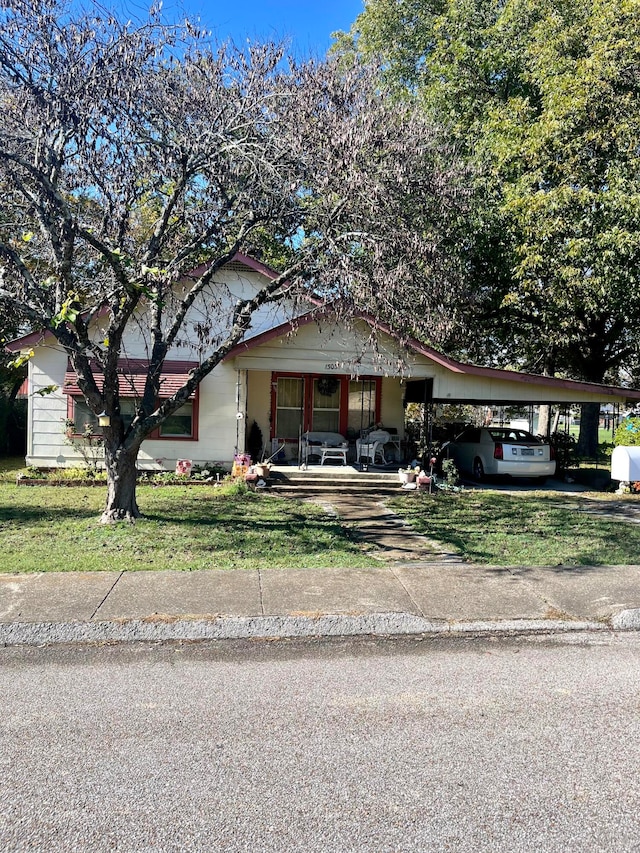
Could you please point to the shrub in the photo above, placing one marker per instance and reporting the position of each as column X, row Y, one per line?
column 450, row 474
column 628, row 433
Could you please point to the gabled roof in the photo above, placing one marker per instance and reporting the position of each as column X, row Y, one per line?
column 444, row 361
column 33, row 338
column 239, row 258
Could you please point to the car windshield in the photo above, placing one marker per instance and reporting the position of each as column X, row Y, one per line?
column 506, row 434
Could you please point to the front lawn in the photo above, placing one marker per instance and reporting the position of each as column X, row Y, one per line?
column 186, row 527
column 49, row 528
column 534, row 528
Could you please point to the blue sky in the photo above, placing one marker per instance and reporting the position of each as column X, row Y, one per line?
column 308, row 24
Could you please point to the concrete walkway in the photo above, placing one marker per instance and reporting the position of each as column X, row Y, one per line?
column 415, row 588
column 392, row 541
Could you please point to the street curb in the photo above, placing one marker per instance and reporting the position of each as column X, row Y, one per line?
column 163, row 629
column 626, row 620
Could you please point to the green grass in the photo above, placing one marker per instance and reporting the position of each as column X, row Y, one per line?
column 9, row 467
column 531, row 528
column 56, row 528
column 49, row 528
column 605, row 436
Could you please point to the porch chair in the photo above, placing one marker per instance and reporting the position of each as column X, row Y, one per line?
column 372, row 446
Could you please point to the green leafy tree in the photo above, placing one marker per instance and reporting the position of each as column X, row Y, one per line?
column 628, row 433
column 544, row 98
column 571, row 190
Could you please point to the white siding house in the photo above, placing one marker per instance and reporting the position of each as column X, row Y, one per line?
column 319, row 374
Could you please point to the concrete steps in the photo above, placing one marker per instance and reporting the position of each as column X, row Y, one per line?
column 334, row 480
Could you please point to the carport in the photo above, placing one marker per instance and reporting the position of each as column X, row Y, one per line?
column 454, row 382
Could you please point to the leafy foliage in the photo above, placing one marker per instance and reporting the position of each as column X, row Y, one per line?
column 543, row 97
column 628, row 433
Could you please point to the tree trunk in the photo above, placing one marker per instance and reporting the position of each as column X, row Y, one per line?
column 589, row 422
column 544, row 417
column 121, row 485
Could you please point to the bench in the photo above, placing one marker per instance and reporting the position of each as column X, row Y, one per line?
column 325, row 445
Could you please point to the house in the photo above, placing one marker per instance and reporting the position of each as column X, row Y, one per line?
column 317, row 373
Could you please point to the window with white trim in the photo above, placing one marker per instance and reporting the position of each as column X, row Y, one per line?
column 83, row 416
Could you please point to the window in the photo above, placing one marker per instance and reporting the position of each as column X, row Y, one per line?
column 132, row 374
column 83, row 418
column 179, row 424
column 127, row 410
column 362, row 404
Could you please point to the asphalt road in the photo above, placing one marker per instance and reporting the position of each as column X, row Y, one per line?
column 528, row 744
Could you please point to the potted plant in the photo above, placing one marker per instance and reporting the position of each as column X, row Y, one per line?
column 409, row 474
column 263, row 469
column 423, row 479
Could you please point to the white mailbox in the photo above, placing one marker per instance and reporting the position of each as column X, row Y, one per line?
column 625, row 464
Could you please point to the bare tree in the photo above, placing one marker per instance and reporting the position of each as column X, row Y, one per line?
column 135, row 161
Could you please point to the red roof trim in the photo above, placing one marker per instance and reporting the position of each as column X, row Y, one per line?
column 29, row 340
column 255, row 265
column 238, row 258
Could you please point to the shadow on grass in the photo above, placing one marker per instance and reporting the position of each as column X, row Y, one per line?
column 29, row 514
column 225, row 519
column 575, row 560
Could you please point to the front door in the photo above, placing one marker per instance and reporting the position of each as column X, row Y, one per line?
column 310, row 402
column 326, row 393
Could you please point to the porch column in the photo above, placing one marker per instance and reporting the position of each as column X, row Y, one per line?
column 241, row 410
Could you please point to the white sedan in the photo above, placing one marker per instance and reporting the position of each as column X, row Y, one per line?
column 501, row 451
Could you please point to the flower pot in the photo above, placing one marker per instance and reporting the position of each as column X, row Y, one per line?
column 423, row 480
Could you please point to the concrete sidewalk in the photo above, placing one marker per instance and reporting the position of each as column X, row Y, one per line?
column 416, row 598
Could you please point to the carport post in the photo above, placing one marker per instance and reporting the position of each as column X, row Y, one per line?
column 427, row 422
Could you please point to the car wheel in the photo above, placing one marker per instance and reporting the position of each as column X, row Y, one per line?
column 478, row 470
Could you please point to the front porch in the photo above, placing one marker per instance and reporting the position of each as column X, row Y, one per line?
column 324, row 376
column 289, row 414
